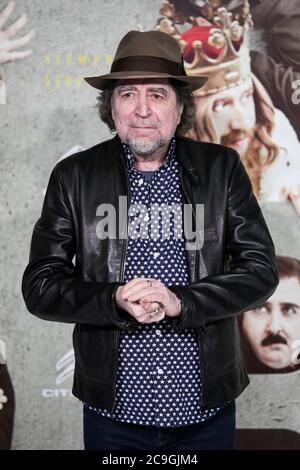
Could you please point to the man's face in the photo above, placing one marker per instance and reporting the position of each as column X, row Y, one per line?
column 233, row 113
column 145, row 113
column 272, row 329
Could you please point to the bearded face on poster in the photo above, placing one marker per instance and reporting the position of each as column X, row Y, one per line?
column 234, row 108
column 271, row 332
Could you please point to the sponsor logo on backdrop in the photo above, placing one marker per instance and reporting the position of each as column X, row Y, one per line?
column 61, row 70
column 64, row 371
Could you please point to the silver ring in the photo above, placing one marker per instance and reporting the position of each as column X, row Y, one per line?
column 155, row 312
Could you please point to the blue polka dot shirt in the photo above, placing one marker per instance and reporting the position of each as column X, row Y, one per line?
column 159, row 376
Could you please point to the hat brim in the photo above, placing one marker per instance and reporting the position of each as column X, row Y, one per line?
column 103, row 81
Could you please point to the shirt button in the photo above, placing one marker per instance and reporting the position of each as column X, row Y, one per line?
column 158, row 332
column 160, row 371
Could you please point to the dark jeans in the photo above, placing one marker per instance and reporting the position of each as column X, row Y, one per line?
column 102, row 433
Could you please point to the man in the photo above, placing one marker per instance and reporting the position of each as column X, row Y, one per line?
column 157, row 352
column 233, row 107
column 272, row 331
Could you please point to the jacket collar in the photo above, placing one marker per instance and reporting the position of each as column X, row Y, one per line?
column 180, row 151
column 183, row 157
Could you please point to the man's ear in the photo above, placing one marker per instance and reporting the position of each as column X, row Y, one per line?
column 180, row 110
column 112, row 107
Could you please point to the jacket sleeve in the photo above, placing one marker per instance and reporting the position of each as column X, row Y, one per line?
column 50, row 287
column 252, row 277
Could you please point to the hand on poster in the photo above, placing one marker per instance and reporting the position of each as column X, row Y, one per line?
column 293, row 194
column 3, row 398
column 8, row 45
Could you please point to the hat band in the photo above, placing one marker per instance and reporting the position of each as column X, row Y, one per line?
column 148, row 64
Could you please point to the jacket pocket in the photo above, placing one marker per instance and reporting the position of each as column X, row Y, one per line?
column 94, row 349
column 221, row 350
column 210, row 234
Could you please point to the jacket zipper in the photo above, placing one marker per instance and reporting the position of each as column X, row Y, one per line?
column 189, row 201
column 121, row 279
column 194, row 274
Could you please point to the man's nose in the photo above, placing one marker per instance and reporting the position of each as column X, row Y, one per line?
column 274, row 326
column 142, row 106
column 239, row 118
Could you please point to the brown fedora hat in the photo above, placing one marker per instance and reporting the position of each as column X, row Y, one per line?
column 148, row 54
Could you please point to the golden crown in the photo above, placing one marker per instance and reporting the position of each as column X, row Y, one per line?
column 217, row 38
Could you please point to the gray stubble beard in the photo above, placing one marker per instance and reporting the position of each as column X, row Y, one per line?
column 141, row 146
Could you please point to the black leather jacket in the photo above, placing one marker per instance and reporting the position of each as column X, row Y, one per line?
column 232, row 272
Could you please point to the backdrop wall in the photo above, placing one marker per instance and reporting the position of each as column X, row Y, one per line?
column 50, row 109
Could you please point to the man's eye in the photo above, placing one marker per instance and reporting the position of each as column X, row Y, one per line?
column 157, row 97
column 218, row 107
column 128, row 94
column 261, row 310
column 289, row 311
